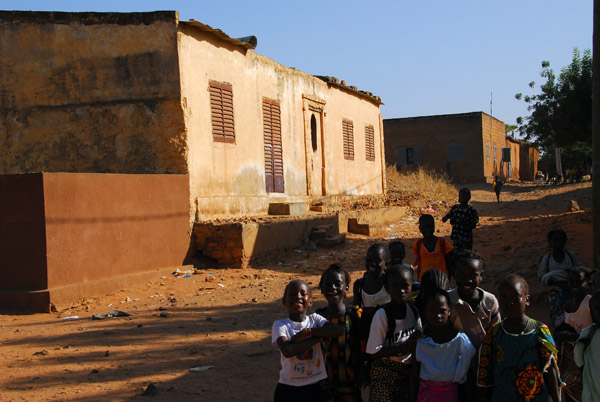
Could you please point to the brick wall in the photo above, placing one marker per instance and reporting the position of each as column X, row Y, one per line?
column 236, row 243
column 222, row 242
column 435, row 135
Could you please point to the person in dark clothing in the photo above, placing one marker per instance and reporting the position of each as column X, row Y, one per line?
column 497, row 186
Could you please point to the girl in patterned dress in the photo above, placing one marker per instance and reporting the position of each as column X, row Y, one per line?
column 342, row 354
column 517, row 358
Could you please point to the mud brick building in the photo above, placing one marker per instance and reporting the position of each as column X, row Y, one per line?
column 103, row 110
column 469, row 147
column 529, row 157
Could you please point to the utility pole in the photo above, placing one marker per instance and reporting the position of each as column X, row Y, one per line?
column 596, row 133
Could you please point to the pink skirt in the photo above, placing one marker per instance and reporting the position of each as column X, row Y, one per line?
column 436, row 391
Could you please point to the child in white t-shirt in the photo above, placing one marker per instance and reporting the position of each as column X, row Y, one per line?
column 394, row 333
column 298, row 339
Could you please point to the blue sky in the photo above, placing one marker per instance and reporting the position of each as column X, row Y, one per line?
column 421, row 57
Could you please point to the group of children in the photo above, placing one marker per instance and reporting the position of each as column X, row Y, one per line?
column 417, row 340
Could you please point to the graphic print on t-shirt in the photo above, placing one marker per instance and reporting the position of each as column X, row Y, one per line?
column 403, row 335
column 306, row 363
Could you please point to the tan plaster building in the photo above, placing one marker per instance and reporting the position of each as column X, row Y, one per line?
column 121, row 132
column 147, row 93
column 470, row 147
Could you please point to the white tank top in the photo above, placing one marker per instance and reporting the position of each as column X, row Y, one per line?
column 582, row 318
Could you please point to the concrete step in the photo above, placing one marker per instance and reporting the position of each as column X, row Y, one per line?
column 287, row 208
column 365, row 229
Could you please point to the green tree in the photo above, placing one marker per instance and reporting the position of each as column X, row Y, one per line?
column 561, row 114
column 509, row 128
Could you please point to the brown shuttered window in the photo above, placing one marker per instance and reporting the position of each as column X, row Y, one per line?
column 370, row 142
column 221, row 109
column 273, row 146
column 348, row 137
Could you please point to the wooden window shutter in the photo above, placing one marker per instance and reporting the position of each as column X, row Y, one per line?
column 348, row 138
column 221, row 109
column 273, row 146
column 401, row 156
column 370, row 142
column 418, row 154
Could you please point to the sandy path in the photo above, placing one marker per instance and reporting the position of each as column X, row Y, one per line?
column 45, row 357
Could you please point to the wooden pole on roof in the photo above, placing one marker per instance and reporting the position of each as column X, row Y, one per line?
column 596, row 133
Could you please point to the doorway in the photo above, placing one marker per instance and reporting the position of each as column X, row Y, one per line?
column 314, row 141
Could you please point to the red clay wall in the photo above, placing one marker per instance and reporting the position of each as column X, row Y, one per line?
column 75, row 235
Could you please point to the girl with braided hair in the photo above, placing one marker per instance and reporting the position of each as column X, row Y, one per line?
column 432, row 281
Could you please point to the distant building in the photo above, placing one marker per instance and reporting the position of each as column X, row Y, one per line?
column 529, row 157
column 469, row 147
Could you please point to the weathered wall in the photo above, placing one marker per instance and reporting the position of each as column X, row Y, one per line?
column 229, row 178
column 90, row 92
column 433, row 134
column 66, row 232
column 359, row 176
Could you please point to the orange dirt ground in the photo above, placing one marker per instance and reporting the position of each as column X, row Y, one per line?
column 223, row 317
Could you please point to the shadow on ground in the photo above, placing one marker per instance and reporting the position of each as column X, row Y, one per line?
column 108, row 360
